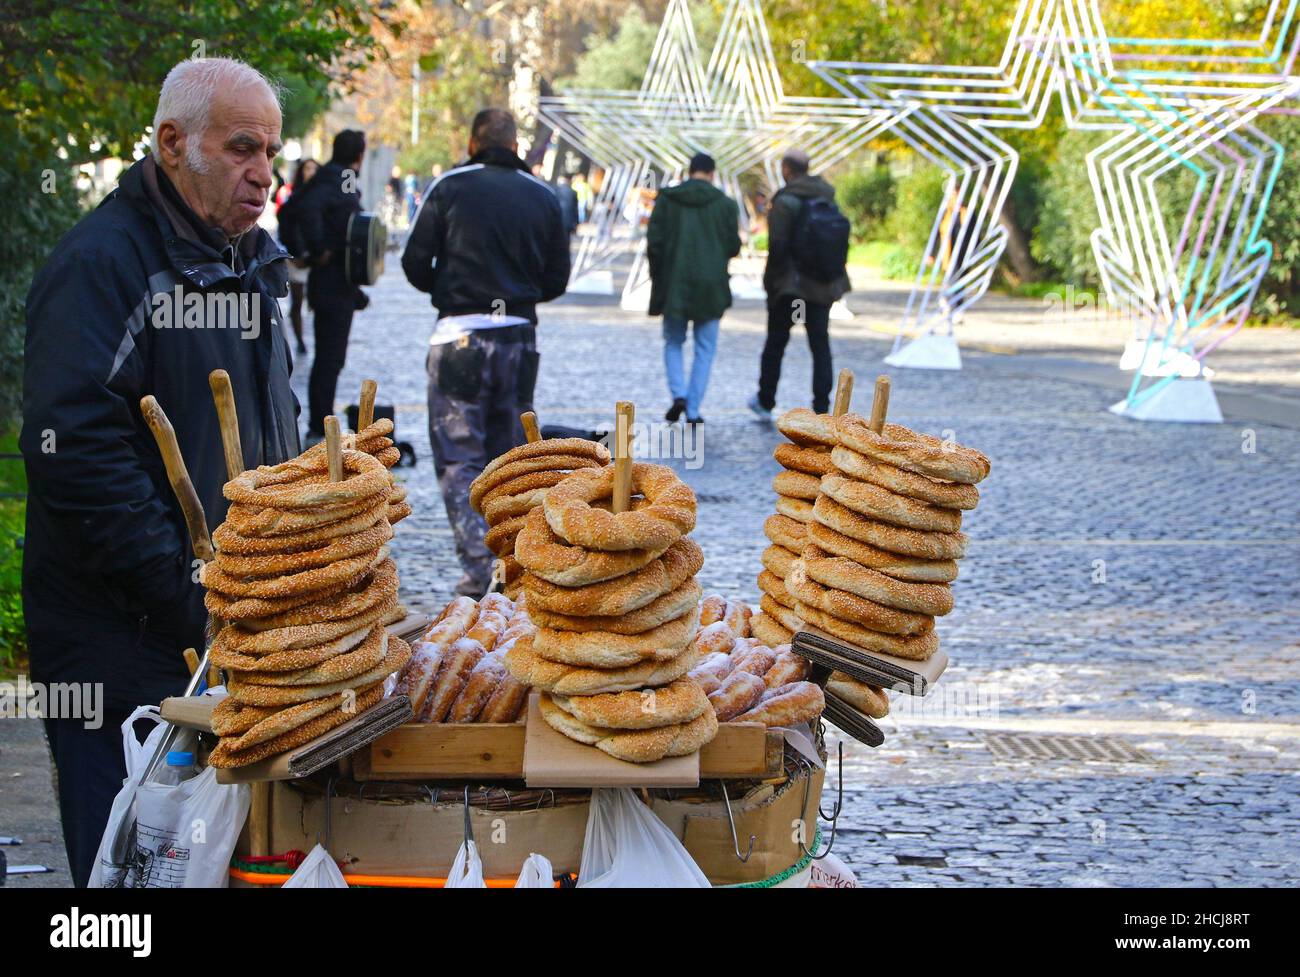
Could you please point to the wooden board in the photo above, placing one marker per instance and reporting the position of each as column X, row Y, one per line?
column 495, row 751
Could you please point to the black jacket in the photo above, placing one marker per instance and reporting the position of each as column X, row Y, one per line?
column 109, row 592
column 327, row 205
column 488, row 233
column 780, row 276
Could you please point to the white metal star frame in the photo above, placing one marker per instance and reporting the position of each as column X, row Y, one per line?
column 1189, row 104
column 732, row 107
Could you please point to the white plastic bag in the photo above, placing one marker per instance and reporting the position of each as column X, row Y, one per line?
column 317, row 871
column 628, row 847
column 830, row 872
column 536, row 873
column 467, row 870
column 183, row 834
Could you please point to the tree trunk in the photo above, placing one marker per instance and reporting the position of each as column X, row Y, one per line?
column 1018, row 263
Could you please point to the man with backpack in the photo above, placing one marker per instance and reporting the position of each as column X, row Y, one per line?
column 807, row 247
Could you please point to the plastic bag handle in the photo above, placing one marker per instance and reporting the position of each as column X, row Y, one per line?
column 131, row 746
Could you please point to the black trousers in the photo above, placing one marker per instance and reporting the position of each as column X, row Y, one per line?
column 331, row 325
column 91, row 768
column 783, row 313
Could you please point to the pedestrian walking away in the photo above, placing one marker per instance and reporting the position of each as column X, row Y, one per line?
column 109, row 593
column 693, row 234
column 488, row 244
column 333, row 196
column 808, row 240
column 290, row 240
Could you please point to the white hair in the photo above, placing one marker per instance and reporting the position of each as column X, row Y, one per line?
column 187, row 94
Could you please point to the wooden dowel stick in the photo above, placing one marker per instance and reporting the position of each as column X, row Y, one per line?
column 259, row 820
column 179, row 477
column 366, row 408
column 625, row 414
column 191, row 659
column 531, row 431
column 843, row 393
column 880, row 404
column 334, row 448
column 228, row 420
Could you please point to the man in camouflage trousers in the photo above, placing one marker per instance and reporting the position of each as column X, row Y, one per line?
column 488, row 243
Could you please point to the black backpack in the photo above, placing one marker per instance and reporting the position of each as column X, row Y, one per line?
column 290, row 218
column 819, row 245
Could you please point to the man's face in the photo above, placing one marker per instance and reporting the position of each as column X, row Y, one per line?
column 226, row 180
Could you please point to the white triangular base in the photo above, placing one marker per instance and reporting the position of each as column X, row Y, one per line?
column 928, row 352
column 593, row 283
column 636, row 299
column 840, row 312
column 1175, row 361
column 1182, row 401
column 747, row 287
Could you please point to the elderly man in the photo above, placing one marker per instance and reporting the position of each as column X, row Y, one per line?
column 167, row 280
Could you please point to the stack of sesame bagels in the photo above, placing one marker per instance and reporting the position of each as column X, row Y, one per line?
column 615, row 604
column 516, row 482
column 884, row 537
column 304, row 585
column 805, row 458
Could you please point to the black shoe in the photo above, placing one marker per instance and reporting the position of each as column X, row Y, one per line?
column 694, row 420
column 676, row 410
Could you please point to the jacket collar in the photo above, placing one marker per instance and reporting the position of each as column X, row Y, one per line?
column 497, row 156
column 201, row 254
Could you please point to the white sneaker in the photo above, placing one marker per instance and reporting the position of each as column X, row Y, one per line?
column 761, row 412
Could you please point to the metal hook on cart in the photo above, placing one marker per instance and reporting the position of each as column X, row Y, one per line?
column 839, row 794
column 329, row 821
column 808, row 769
column 469, row 828
column 731, row 821
column 541, row 796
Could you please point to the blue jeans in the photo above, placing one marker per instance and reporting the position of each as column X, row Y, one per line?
column 706, row 345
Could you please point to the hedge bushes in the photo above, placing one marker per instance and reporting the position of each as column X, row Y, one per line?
column 866, row 197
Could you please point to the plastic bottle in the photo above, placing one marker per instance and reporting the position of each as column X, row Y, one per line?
column 179, row 768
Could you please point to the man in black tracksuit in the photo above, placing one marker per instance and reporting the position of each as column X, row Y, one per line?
column 134, row 301
column 488, row 244
column 333, row 196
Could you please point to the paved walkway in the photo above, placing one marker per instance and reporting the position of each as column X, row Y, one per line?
column 1123, row 704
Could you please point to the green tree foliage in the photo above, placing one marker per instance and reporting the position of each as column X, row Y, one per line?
column 866, row 197
column 618, row 62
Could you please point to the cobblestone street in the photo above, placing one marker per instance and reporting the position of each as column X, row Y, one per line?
column 1123, row 703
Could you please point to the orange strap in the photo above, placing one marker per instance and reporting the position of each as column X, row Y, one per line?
column 377, row 881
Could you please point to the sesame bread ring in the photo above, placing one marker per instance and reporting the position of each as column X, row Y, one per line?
column 285, row 661
column 668, row 516
column 678, row 702
column 912, row 451
column 787, row 705
column 879, row 503
column 224, row 755
column 622, row 595
column 247, row 609
column 867, row 699
column 509, row 506
column 949, row 495
column 500, row 539
column 796, row 485
column 581, row 447
column 365, row 477
column 811, row 461
column 635, row 746
column 279, row 564
column 306, row 582
column 232, row 719
column 531, row 669
column 774, row 586
column 800, row 510
column 303, row 635
column 523, row 484
column 896, row 565
column 659, row 611
column 315, row 460
column 777, row 559
column 388, row 457
column 804, row 426
column 539, row 550
column 271, row 695
column 769, row 631
column 501, row 474
column 787, row 532
column 788, row 618
column 917, row 647
column 597, row 649
column 854, row 609
column 841, row 574
column 885, row 536
column 360, row 660
column 397, row 512
column 230, row 541
column 254, row 521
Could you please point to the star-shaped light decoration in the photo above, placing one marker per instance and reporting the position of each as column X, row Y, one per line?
column 732, row 107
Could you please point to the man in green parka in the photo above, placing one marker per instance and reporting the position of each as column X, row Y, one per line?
column 693, row 234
